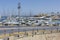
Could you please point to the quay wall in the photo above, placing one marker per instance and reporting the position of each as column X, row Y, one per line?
column 32, row 35
column 53, row 36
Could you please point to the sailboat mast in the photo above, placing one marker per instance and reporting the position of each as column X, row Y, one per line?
column 19, row 7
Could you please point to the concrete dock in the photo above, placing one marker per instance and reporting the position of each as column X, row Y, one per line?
column 27, row 33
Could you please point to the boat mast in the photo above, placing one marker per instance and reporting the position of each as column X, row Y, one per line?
column 19, row 7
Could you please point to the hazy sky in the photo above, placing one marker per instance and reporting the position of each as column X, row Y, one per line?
column 35, row 6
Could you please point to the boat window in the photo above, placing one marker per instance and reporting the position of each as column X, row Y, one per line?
column 6, row 24
column 36, row 21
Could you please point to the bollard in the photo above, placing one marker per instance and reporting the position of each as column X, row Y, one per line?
column 11, row 32
column 51, row 31
column 4, row 32
column 6, row 38
column 26, row 34
column 43, row 31
column 32, row 33
column 37, row 30
column 18, row 32
column 57, row 30
column 35, row 33
column 12, row 38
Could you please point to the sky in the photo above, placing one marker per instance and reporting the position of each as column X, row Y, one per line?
column 9, row 7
